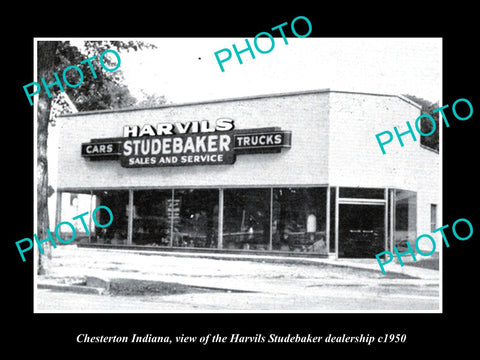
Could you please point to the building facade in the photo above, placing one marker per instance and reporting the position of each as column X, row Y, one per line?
column 292, row 173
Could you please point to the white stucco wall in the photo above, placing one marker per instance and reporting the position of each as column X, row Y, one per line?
column 304, row 163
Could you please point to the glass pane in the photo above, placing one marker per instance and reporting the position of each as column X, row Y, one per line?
column 151, row 217
column 246, row 223
column 73, row 204
column 196, row 218
column 405, row 219
column 361, row 231
column 362, row 193
column 299, row 219
column 117, row 202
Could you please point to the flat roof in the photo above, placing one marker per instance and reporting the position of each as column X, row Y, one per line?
column 242, row 98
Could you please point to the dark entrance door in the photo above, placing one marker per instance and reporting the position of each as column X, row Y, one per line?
column 361, row 230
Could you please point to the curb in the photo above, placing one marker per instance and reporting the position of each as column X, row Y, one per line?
column 127, row 286
column 131, row 286
column 115, row 283
column 72, row 288
column 135, row 286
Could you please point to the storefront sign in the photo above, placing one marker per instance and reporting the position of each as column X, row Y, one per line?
column 255, row 142
column 177, row 150
column 215, row 146
column 101, row 149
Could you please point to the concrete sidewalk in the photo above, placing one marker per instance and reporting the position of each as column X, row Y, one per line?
column 393, row 269
column 94, row 270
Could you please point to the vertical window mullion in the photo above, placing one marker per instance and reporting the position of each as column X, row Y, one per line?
column 220, row 218
column 171, row 218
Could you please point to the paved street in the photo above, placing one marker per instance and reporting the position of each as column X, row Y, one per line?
column 332, row 300
column 234, row 285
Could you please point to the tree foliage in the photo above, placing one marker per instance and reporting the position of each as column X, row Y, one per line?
column 426, row 125
column 106, row 91
column 150, row 100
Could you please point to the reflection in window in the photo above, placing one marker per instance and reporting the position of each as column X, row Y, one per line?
column 195, row 218
column 405, row 219
column 117, row 202
column 299, row 219
column 246, row 223
column 151, row 217
column 189, row 218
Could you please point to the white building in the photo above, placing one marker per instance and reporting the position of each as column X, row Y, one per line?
column 298, row 172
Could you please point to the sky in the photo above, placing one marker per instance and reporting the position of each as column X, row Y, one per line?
column 185, row 69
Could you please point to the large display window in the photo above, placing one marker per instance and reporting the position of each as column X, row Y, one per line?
column 195, row 218
column 246, row 222
column 118, row 202
column 405, row 219
column 299, row 219
column 151, row 217
column 346, row 222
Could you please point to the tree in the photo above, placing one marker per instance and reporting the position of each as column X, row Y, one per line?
column 426, row 125
column 150, row 100
column 107, row 91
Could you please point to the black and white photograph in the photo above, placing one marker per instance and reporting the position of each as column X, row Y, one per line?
column 273, row 184
column 265, row 197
